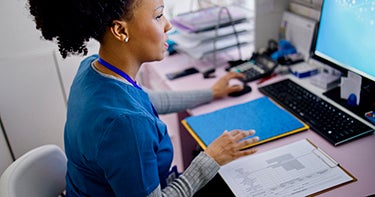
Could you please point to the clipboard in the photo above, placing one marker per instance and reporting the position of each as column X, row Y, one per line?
column 268, row 119
column 354, row 179
column 296, row 169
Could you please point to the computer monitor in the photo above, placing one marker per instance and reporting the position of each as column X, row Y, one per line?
column 346, row 35
column 346, row 40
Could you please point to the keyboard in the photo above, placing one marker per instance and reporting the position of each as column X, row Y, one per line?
column 333, row 124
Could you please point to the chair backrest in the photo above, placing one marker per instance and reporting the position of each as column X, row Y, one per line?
column 38, row 173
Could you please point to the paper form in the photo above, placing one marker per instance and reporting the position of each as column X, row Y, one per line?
column 292, row 170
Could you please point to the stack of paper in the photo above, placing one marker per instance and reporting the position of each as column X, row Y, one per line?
column 209, row 18
column 211, row 30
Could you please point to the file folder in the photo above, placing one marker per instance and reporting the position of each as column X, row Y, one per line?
column 269, row 120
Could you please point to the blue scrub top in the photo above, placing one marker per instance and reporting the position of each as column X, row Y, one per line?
column 115, row 143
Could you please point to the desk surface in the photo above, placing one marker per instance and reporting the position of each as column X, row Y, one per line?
column 358, row 156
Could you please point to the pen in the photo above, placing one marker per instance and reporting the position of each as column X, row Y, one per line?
column 266, row 78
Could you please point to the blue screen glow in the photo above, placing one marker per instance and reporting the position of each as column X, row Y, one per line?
column 346, row 35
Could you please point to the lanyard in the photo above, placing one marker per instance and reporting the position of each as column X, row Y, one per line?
column 124, row 75
column 119, row 72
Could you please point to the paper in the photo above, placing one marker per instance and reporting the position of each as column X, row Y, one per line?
column 297, row 169
column 299, row 31
column 194, row 40
column 209, row 18
column 351, row 85
column 206, row 48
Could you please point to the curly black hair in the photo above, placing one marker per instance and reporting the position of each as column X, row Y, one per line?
column 71, row 23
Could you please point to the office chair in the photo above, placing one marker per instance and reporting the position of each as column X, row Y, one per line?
column 38, row 173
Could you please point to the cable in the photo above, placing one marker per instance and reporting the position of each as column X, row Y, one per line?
column 7, row 140
column 222, row 9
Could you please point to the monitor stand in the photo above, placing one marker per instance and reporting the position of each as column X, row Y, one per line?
column 367, row 100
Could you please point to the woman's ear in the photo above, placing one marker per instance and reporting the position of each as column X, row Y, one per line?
column 119, row 30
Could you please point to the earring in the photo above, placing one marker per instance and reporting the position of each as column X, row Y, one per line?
column 127, row 39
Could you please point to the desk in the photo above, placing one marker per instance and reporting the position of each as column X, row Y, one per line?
column 358, row 156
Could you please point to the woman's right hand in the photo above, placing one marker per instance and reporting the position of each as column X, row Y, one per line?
column 228, row 146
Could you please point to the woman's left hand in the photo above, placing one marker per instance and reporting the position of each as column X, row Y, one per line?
column 222, row 87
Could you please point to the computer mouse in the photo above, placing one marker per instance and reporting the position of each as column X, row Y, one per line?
column 246, row 89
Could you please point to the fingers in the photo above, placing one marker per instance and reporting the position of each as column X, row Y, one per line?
column 230, row 146
column 238, row 143
column 247, row 142
column 235, row 88
column 231, row 75
column 247, row 152
column 237, row 136
column 221, row 88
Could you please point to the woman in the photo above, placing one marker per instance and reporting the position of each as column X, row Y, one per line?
column 114, row 141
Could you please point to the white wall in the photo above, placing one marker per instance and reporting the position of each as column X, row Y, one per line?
column 32, row 105
column 268, row 15
column 5, row 155
column 18, row 34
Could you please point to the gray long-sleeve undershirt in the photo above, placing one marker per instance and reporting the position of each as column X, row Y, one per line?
column 176, row 101
column 203, row 168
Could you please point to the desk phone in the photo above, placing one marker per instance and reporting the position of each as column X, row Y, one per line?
column 257, row 67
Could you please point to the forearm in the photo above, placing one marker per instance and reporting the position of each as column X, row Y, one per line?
column 176, row 101
column 201, row 170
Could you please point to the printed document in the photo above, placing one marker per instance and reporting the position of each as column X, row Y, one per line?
column 297, row 169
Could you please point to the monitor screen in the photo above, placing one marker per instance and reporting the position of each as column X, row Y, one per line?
column 346, row 35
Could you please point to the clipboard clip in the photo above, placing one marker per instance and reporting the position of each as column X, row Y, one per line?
column 325, row 157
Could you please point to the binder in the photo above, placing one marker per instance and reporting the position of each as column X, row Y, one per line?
column 269, row 120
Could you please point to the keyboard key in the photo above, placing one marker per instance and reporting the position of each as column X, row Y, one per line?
column 333, row 124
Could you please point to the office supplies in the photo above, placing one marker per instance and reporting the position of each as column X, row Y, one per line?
column 207, row 33
column 193, row 40
column 296, row 169
column 209, row 73
column 300, row 32
column 257, row 67
column 207, row 19
column 303, row 69
column 351, row 85
column 284, row 48
column 268, row 120
column 183, row 73
column 330, row 122
column 264, row 79
column 291, row 59
column 310, row 10
column 325, row 80
column 371, row 116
